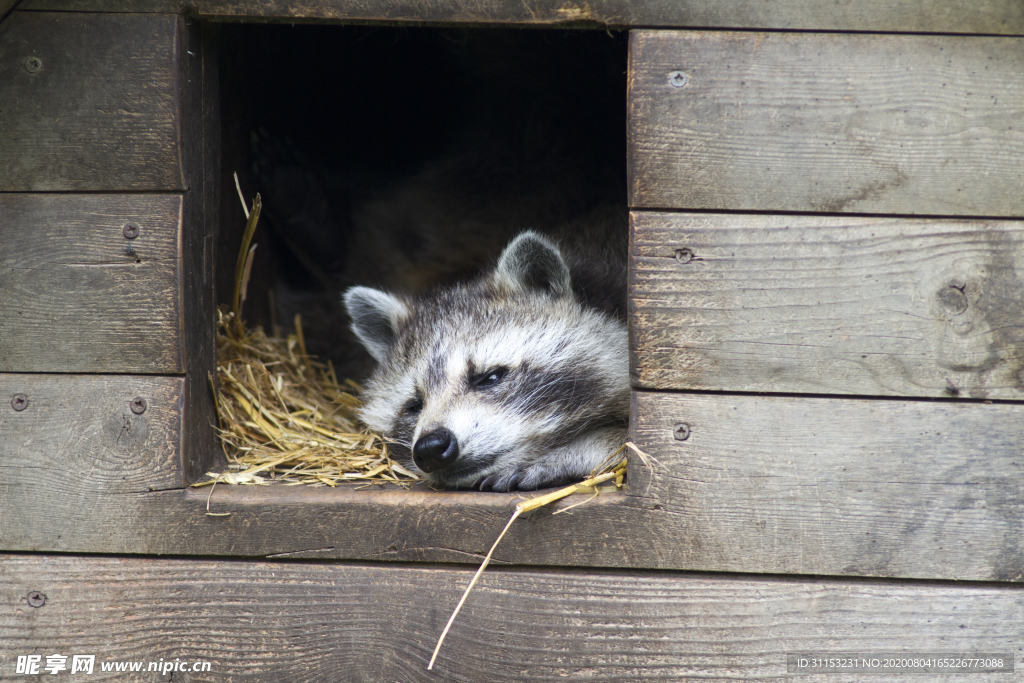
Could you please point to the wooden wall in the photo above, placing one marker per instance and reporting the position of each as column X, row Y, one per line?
column 274, row 621
column 107, row 196
column 827, row 349
column 792, row 328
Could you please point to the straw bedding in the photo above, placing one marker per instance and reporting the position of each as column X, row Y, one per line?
column 284, row 416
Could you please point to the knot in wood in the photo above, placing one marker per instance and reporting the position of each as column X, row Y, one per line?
column 954, row 297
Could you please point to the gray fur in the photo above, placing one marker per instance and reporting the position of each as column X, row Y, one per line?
column 559, row 402
column 375, row 317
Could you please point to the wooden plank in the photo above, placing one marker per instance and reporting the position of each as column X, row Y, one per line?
column 319, row 523
column 839, row 486
column 70, row 438
column 827, row 123
column 752, row 513
column 201, row 157
column 919, row 16
column 828, row 305
column 90, row 103
column 300, row 622
column 77, row 296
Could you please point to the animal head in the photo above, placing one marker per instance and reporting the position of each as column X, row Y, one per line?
column 499, row 383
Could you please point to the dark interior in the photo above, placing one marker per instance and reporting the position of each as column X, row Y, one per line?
column 405, row 158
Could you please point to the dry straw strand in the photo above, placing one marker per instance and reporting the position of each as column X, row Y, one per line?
column 613, row 468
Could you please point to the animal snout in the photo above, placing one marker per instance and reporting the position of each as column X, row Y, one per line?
column 435, row 450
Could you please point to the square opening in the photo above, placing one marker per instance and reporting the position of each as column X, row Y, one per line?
column 404, row 158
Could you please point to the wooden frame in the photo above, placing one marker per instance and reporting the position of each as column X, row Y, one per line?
column 682, row 514
column 822, row 394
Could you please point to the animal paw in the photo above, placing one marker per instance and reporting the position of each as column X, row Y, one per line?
column 528, row 478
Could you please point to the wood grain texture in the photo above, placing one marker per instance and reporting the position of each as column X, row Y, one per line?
column 839, row 486
column 342, row 523
column 77, row 296
column 201, row 155
column 827, row 123
column 79, row 438
column 99, row 113
column 741, row 504
column 828, row 305
column 942, row 16
column 322, row 622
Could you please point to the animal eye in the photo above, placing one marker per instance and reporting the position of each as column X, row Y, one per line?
column 486, row 379
column 414, row 406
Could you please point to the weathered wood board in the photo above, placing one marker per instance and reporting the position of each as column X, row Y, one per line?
column 68, row 439
column 311, row 523
column 82, row 434
column 942, row 16
column 839, row 486
column 913, row 489
column 827, row 305
column 90, row 103
column 201, row 151
column 828, row 123
column 76, row 295
column 303, row 622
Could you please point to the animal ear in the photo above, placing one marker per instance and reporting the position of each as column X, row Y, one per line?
column 375, row 318
column 531, row 261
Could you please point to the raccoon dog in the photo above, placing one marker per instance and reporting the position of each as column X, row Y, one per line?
column 511, row 381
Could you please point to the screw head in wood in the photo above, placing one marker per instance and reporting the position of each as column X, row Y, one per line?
column 36, row 599
column 19, row 402
column 684, row 255
column 138, row 405
column 677, row 79
column 33, row 65
column 681, row 431
column 131, row 230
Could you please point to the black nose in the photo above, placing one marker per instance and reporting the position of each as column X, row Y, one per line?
column 435, row 450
